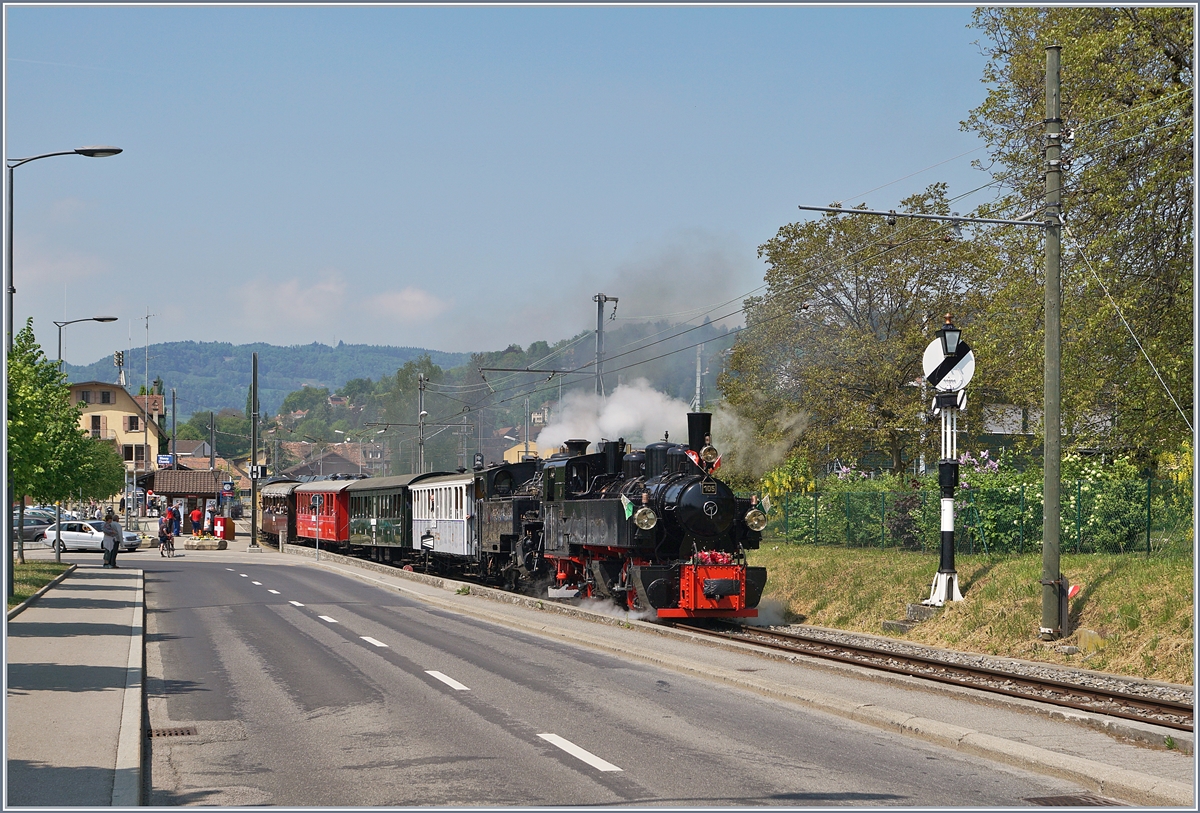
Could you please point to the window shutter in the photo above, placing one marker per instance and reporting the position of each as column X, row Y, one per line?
column 103, row 423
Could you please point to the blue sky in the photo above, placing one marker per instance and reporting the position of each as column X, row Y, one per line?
column 448, row 177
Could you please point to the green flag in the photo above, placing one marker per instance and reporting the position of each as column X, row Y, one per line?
column 627, row 505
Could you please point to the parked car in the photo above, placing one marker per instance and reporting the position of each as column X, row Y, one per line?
column 86, row 535
column 34, row 527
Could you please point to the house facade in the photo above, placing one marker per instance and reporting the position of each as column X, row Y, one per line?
column 110, row 413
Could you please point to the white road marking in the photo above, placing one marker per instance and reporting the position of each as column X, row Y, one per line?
column 230, row 569
column 298, row 604
column 577, row 752
column 327, row 618
column 243, row 575
column 371, row 640
column 449, row 681
column 269, row 590
column 258, row 583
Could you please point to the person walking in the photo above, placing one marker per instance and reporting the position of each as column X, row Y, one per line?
column 197, row 517
column 112, row 535
column 166, row 545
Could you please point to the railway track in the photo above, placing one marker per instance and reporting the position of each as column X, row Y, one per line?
column 1126, row 705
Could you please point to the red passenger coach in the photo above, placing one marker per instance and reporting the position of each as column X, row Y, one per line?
column 333, row 513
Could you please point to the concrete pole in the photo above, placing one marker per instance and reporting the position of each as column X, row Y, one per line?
column 600, row 299
column 421, row 423
column 1053, row 626
column 253, row 450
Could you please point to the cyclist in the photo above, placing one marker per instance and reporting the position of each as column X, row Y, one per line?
column 166, row 541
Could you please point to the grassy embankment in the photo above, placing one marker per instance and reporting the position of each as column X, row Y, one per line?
column 32, row 576
column 1133, row 615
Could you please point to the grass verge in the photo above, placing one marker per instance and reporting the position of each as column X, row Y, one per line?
column 1132, row 616
column 32, row 576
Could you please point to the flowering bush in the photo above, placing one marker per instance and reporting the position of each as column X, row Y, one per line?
column 712, row 557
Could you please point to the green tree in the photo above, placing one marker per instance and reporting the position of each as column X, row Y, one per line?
column 49, row 456
column 1128, row 192
column 836, row 342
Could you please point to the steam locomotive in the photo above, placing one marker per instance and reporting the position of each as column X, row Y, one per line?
column 651, row 530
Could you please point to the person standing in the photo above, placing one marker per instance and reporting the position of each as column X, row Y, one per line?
column 112, row 536
column 197, row 517
column 176, row 520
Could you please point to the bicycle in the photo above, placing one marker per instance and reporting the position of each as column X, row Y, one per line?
column 166, row 546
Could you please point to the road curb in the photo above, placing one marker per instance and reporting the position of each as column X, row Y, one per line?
column 1138, row 788
column 127, row 778
column 15, row 611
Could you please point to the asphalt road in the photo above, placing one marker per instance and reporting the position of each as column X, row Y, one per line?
column 307, row 688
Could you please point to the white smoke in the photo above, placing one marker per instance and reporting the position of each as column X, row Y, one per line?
column 635, row 411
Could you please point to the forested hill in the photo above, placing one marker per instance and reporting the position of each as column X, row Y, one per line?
column 215, row 375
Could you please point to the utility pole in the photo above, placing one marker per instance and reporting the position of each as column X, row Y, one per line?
column 212, row 442
column 174, row 459
column 526, row 430
column 254, row 452
column 600, row 299
column 698, row 404
column 1054, row 588
column 421, row 413
column 145, row 412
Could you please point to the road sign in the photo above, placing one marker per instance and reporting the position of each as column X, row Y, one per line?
column 318, row 500
column 948, row 373
column 258, row 472
column 166, row 459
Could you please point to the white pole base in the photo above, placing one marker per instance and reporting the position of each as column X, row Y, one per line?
column 944, row 588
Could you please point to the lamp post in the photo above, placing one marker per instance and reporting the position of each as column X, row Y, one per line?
column 12, row 164
column 949, row 364
column 61, row 325
column 57, row 507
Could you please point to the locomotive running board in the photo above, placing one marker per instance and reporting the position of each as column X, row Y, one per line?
column 562, row 592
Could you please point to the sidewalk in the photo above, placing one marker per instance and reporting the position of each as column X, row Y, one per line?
column 74, row 722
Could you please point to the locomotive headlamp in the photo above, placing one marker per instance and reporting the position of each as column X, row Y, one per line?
column 645, row 518
column 709, row 454
column 756, row 520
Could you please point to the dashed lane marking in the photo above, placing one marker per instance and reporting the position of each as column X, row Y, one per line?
column 269, row 590
column 327, row 618
column 230, row 569
column 298, row 604
column 577, row 752
column 371, row 640
column 449, row 681
column 243, row 575
column 258, row 583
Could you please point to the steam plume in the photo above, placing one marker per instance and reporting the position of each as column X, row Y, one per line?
column 635, row 411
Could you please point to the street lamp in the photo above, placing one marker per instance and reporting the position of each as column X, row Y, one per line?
column 57, row 507
column 13, row 163
column 61, row 325
column 346, row 437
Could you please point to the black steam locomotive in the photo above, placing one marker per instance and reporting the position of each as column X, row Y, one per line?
column 652, row 530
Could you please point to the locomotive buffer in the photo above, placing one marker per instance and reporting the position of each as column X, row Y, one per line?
column 948, row 364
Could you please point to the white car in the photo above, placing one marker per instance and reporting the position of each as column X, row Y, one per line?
column 86, row 535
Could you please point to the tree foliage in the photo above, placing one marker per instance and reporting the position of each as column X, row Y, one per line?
column 49, row 457
column 838, row 337
column 1128, row 193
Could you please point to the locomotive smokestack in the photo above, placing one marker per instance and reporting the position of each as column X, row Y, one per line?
column 699, row 426
column 576, row 447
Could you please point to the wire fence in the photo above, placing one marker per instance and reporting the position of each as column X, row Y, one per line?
column 1134, row 516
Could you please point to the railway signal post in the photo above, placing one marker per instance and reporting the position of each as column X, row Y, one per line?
column 949, row 364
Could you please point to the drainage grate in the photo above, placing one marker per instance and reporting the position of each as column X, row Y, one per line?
column 1075, row 800
column 186, row 731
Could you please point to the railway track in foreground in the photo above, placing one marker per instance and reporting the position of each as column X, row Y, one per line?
column 1127, row 705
